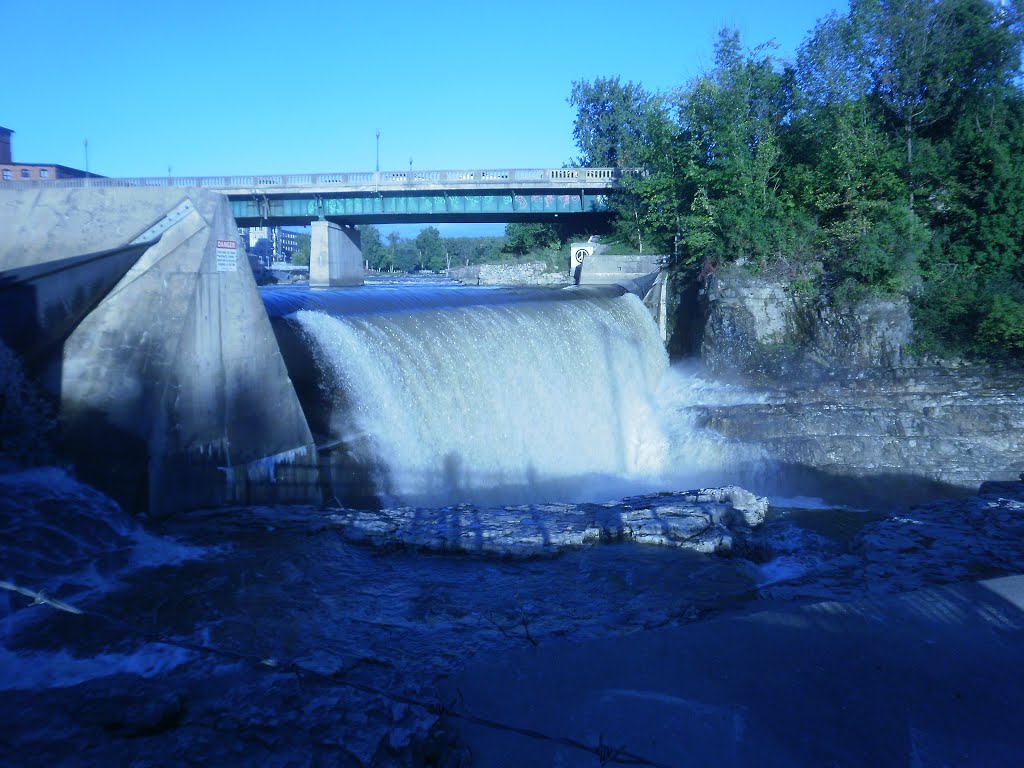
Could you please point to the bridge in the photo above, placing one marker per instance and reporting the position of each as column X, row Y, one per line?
column 377, row 197
column 333, row 203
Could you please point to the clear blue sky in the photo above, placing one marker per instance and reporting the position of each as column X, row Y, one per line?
column 223, row 88
column 242, row 87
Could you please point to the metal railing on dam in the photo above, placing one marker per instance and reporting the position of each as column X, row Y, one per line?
column 589, row 179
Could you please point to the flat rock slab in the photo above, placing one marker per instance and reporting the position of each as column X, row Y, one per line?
column 928, row 678
column 703, row 521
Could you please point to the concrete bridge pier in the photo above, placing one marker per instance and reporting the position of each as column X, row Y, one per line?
column 335, row 256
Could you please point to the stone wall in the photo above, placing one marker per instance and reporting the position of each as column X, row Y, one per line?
column 513, row 273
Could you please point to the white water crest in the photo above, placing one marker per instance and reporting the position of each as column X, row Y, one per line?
column 507, row 404
column 699, row 456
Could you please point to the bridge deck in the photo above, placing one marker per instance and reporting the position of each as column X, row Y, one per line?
column 372, row 181
column 516, row 194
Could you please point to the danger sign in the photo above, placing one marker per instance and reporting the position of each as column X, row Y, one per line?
column 227, row 255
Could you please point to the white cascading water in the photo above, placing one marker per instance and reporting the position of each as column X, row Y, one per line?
column 540, row 401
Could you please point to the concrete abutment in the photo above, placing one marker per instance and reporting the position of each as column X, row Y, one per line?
column 172, row 391
column 335, row 256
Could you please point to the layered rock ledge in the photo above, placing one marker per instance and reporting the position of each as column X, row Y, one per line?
column 707, row 520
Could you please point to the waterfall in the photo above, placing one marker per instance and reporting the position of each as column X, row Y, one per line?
column 494, row 403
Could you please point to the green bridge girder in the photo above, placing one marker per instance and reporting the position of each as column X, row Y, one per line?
column 426, row 206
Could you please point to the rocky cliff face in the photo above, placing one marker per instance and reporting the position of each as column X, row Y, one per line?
column 849, row 410
column 766, row 331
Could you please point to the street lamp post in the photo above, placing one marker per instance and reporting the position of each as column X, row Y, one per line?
column 377, row 167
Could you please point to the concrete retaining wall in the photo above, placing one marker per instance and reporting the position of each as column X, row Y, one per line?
column 602, row 269
column 173, row 393
column 512, row 273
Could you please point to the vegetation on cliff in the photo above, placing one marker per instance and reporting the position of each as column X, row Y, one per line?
column 887, row 158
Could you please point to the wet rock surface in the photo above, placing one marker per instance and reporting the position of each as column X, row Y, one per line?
column 291, row 636
column 882, row 553
column 703, row 521
column 929, row 431
column 845, row 400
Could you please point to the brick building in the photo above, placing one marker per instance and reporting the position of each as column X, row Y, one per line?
column 12, row 171
column 270, row 244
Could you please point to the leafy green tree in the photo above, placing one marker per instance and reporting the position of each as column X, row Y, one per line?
column 609, row 123
column 407, row 256
column 523, row 239
column 391, row 251
column 653, row 207
column 300, row 256
column 731, row 118
column 431, row 250
column 464, row 251
column 889, row 158
column 374, row 251
column 1003, row 324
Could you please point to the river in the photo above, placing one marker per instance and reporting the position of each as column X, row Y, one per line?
column 265, row 635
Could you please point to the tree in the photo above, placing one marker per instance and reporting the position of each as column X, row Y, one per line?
column 624, row 126
column 649, row 204
column 847, row 168
column 731, row 119
column 372, row 245
column 608, row 129
column 431, row 250
column 391, row 253
column 464, row 251
column 890, row 158
column 523, row 239
column 406, row 256
column 300, row 256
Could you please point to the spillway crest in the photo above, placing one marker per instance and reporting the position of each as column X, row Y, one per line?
column 498, row 402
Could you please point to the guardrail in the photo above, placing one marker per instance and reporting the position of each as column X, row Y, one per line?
column 382, row 179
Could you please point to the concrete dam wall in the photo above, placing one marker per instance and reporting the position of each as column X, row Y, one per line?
column 136, row 309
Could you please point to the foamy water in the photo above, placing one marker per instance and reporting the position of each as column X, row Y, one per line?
column 457, row 405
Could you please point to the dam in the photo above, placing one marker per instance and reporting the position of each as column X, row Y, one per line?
column 182, row 385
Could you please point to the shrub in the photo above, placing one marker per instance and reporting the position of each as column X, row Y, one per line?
column 1003, row 324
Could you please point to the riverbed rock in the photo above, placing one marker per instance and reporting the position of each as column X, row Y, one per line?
column 937, row 542
column 930, row 432
column 839, row 406
column 704, row 521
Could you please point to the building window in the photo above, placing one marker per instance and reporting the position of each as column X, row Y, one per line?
column 44, row 173
column 25, row 173
column 7, row 174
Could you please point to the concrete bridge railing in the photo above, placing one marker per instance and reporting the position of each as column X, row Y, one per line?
column 534, row 177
